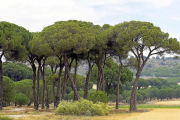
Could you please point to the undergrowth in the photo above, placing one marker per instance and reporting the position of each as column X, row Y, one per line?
column 5, row 118
column 82, row 107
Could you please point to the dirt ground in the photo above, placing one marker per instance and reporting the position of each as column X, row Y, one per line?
column 26, row 113
column 157, row 114
column 168, row 103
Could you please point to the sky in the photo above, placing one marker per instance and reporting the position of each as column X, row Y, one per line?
column 34, row 15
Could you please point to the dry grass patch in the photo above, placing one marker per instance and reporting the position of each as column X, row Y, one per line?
column 157, row 114
column 70, row 117
column 168, row 103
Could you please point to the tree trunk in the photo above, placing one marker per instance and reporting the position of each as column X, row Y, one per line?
column 86, row 88
column 59, row 86
column 118, row 83
column 69, row 76
column 54, row 95
column 100, row 82
column 43, row 89
column 47, row 97
column 1, row 84
column 64, row 84
column 34, row 86
column 99, row 79
column 38, row 77
column 31, row 60
column 133, row 94
column 75, row 73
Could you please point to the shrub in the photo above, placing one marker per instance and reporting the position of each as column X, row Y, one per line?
column 128, row 99
column 82, row 107
column 139, row 97
column 21, row 99
column 98, row 96
column 112, row 97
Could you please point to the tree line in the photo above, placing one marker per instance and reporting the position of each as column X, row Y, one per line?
column 65, row 42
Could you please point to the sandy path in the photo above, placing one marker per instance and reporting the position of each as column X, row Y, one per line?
column 18, row 116
column 17, row 109
column 157, row 114
column 168, row 103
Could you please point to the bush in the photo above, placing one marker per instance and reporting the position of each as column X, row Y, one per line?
column 82, row 107
column 128, row 99
column 139, row 97
column 98, row 96
column 21, row 99
column 112, row 97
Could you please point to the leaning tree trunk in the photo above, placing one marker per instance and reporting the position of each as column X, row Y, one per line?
column 86, row 88
column 64, row 85
column 133, row 94
column 69, row 76
column 1, row 84
column 119, row 77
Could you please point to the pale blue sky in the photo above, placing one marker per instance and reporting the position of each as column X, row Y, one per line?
column 34, row 15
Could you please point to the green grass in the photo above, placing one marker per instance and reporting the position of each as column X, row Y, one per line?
column 151, row 106
column 5, row 118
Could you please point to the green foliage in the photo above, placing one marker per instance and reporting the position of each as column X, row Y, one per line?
column 142, row 83
column 139, row 97
column 13, row 40
column 25, row 87
column 161, row 94
column 110, row 77
column 52, row 61
column 79, row 80
column 173, row 80
column 158, row 82
column 71, row 95
column 162, row 71
column 144, row 93
column 21, row 99
column 8, row 91
column 68, row 35
column 5, row 118
column 38, row 46
column 112, row 97
column 98, row 96
column 132, row 63
column 17, row 71
column 82, row 107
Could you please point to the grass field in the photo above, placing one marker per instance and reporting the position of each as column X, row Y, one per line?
column 163, row 110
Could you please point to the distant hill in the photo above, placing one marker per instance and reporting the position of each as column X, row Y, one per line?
column 155, row 67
